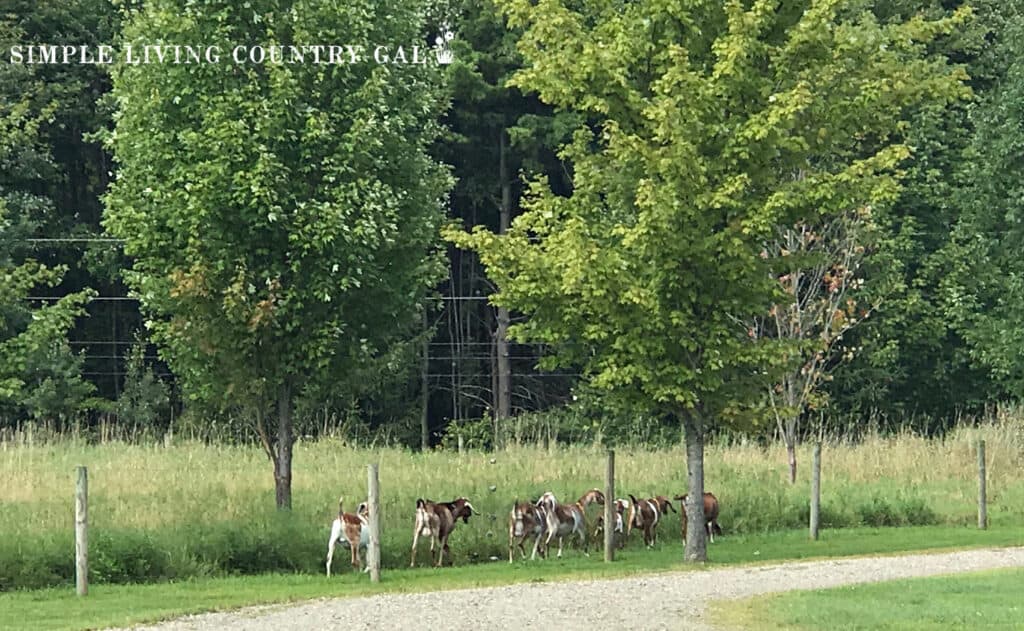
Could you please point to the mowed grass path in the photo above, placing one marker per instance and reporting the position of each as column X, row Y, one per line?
column 984, row 600
column 123, row 605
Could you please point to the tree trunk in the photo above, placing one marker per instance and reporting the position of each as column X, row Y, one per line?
column 285, row 441
column 425, row 387
column 696, row 548
column 787, row 432
column 501, row 335
column 791, row 456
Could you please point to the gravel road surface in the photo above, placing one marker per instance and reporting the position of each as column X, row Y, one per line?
column 661, row 601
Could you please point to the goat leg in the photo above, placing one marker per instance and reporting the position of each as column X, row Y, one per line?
column 440, row 553
column 415, row 540
column 536, row 544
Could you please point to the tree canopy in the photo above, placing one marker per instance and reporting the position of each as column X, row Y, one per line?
column 717, row 123
column 39, row 375
column 282, row 218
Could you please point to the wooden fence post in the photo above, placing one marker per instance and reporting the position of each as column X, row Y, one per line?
column 82, row 532
column 816, row 491
column 373, row 549
column 609, row 506
column 982, row 500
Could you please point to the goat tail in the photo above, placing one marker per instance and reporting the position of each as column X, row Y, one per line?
column 341, row 503
column 633, row 499
column 420, row 503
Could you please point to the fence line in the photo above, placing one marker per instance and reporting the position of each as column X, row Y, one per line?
column 82, row 532
column 982, row 499
column 373, row 548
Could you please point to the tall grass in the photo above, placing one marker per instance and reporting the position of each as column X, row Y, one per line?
column 167, row 511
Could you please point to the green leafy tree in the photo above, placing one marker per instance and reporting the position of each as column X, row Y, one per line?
column 145, row 399
column 39, row 376
column 914, row 365
column 984, row 292
column 68, row 168
column 720, row 121
column 495, row 133
column 283, row 218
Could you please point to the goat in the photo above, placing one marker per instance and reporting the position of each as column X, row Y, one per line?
column 711, row 526
column 353, row 532
column 437, row 520
column 619, row 531
column 526, row 519
column 645, row 514
column 568, row 519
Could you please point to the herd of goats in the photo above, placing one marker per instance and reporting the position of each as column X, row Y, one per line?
column 542, row 521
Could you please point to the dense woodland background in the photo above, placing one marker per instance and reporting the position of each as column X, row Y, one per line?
column 940, row 267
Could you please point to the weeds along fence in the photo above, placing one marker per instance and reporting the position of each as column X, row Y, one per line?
column 161, row 512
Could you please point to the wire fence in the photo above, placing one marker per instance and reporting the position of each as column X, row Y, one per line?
column 461, row 357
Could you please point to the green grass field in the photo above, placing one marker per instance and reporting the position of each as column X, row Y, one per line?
column 985, row 600
column 193, row 510
column 117, row 605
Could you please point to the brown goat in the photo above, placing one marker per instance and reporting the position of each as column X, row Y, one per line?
column 526, row 520
column 645, row 514
column 437, row 520
column 568, row 519
column 351, row 530
column 619, row 516
column 711, row 526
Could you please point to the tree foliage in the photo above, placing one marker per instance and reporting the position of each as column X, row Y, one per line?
column 984, row 293
column 819, row 270
column 39, row 375
column 915, row 367
column 282, row 217
column 719, row 122
column 145, row 400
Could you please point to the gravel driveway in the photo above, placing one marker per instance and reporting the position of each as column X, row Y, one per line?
column 663, row 601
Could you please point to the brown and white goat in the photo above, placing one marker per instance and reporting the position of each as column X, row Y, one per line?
column 437, row 520
column 711, row 526
column 526, row 520
column 645, row 514
column 352, row 531
column 568, row 519
column 619, row 508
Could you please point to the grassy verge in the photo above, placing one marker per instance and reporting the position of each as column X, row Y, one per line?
column 119, row 605
column 159, row 513
column 989, row 600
